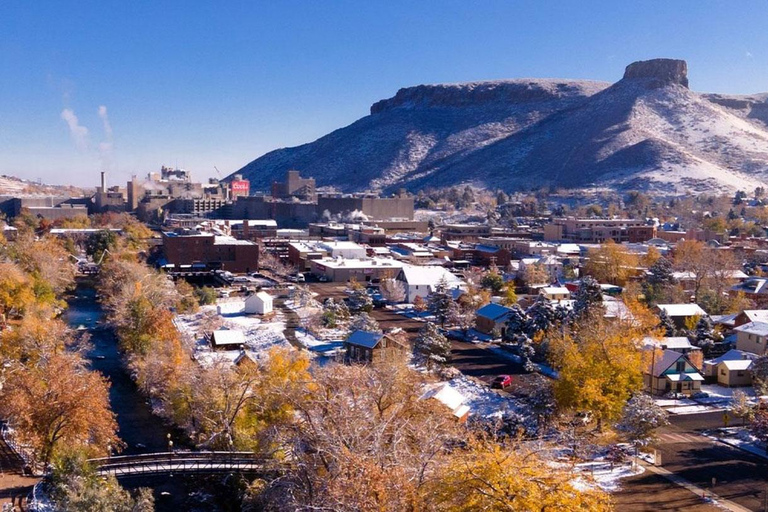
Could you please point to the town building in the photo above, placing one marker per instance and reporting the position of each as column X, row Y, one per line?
column 421, row 281
column 361, row 270
column 187, row 247
column 373, row 347
column 593, row 231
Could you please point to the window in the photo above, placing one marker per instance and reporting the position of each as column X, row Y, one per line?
column 680, row 366
column 722, row 371
column 740, row 374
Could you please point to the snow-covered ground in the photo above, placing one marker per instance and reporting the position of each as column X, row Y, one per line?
column 722, row 395
column 483, row 402
column 739, row 437
column 327, row 346
column 260, row 334
column 604, row 474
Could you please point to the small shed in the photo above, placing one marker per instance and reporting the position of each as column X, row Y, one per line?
column 226, row 339
column 260, row 303
column 450, row 398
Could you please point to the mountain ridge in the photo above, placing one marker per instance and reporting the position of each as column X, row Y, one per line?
column 647, row 131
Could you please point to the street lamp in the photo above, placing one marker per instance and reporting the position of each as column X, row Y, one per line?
column 170, row 454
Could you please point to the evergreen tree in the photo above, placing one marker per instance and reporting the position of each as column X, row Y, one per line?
column 705, row 334
column 359, row 300
column 439, row 302
column 666, row 324
column 364, row 322
column 660, row 279
column 588, row 297
column 431, row 347
column 542, row 315
column 517, row 335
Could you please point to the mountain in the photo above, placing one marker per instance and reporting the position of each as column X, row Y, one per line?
column 648, row 131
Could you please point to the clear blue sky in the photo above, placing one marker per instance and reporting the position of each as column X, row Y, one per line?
column 220, row 83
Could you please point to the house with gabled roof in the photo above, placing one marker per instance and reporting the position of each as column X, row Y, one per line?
column 709, row 368
column 492, row 317
column 671, row 371
column 227, row 339
column 421, row 281
column 734, row 372
column 752, row 337
column 750, row 315
column 373, row 347
column 680, row 313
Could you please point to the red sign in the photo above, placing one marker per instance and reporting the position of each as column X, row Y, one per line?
column 240, row 188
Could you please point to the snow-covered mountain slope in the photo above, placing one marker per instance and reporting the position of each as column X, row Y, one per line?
column 647, row 131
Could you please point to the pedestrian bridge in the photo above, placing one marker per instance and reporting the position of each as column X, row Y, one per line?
column 170, row 463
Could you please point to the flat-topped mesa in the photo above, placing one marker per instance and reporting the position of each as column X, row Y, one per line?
column 498, row 92
column 661, row 72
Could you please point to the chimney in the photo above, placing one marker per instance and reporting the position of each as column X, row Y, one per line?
column 103, row 181
column 246, row 230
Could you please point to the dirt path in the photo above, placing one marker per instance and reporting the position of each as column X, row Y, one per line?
column 14, row 487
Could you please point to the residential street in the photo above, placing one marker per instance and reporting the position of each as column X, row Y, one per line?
column 740, row 476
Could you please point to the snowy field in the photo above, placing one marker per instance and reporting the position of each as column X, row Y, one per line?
column 484, row 402
column 260, row 335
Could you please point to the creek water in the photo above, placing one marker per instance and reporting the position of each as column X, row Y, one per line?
column 140, row 430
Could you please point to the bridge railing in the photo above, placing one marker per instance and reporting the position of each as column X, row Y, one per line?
column 177, row 462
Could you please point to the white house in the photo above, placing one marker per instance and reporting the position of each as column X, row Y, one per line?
column 421, row 281
column 259, row 303
column 679, row 313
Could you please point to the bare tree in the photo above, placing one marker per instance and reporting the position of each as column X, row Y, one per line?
column 393, row 290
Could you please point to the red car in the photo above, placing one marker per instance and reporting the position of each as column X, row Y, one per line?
column 502, row 381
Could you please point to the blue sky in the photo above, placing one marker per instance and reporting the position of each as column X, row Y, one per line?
column 220, row 83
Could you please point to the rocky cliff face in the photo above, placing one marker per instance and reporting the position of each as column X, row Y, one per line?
column 478, row 94
column 659, row 72
column 647, row 131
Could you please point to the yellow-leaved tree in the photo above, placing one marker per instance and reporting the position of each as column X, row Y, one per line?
column 599, row 361
column 611, row 263
column 488, row 476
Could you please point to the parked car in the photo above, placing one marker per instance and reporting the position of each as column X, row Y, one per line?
column 502, row 382
column 324, row 279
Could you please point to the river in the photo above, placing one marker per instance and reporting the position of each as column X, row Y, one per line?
column 140, row 430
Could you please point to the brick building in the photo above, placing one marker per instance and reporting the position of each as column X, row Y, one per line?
column 186, row 247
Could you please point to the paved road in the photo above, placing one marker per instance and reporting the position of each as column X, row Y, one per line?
column 740, row 476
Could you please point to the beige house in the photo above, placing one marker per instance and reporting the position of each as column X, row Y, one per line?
column 556, row 292
column 752, row 337
column 710, row 367
column 734, row 372
column 672, row 371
